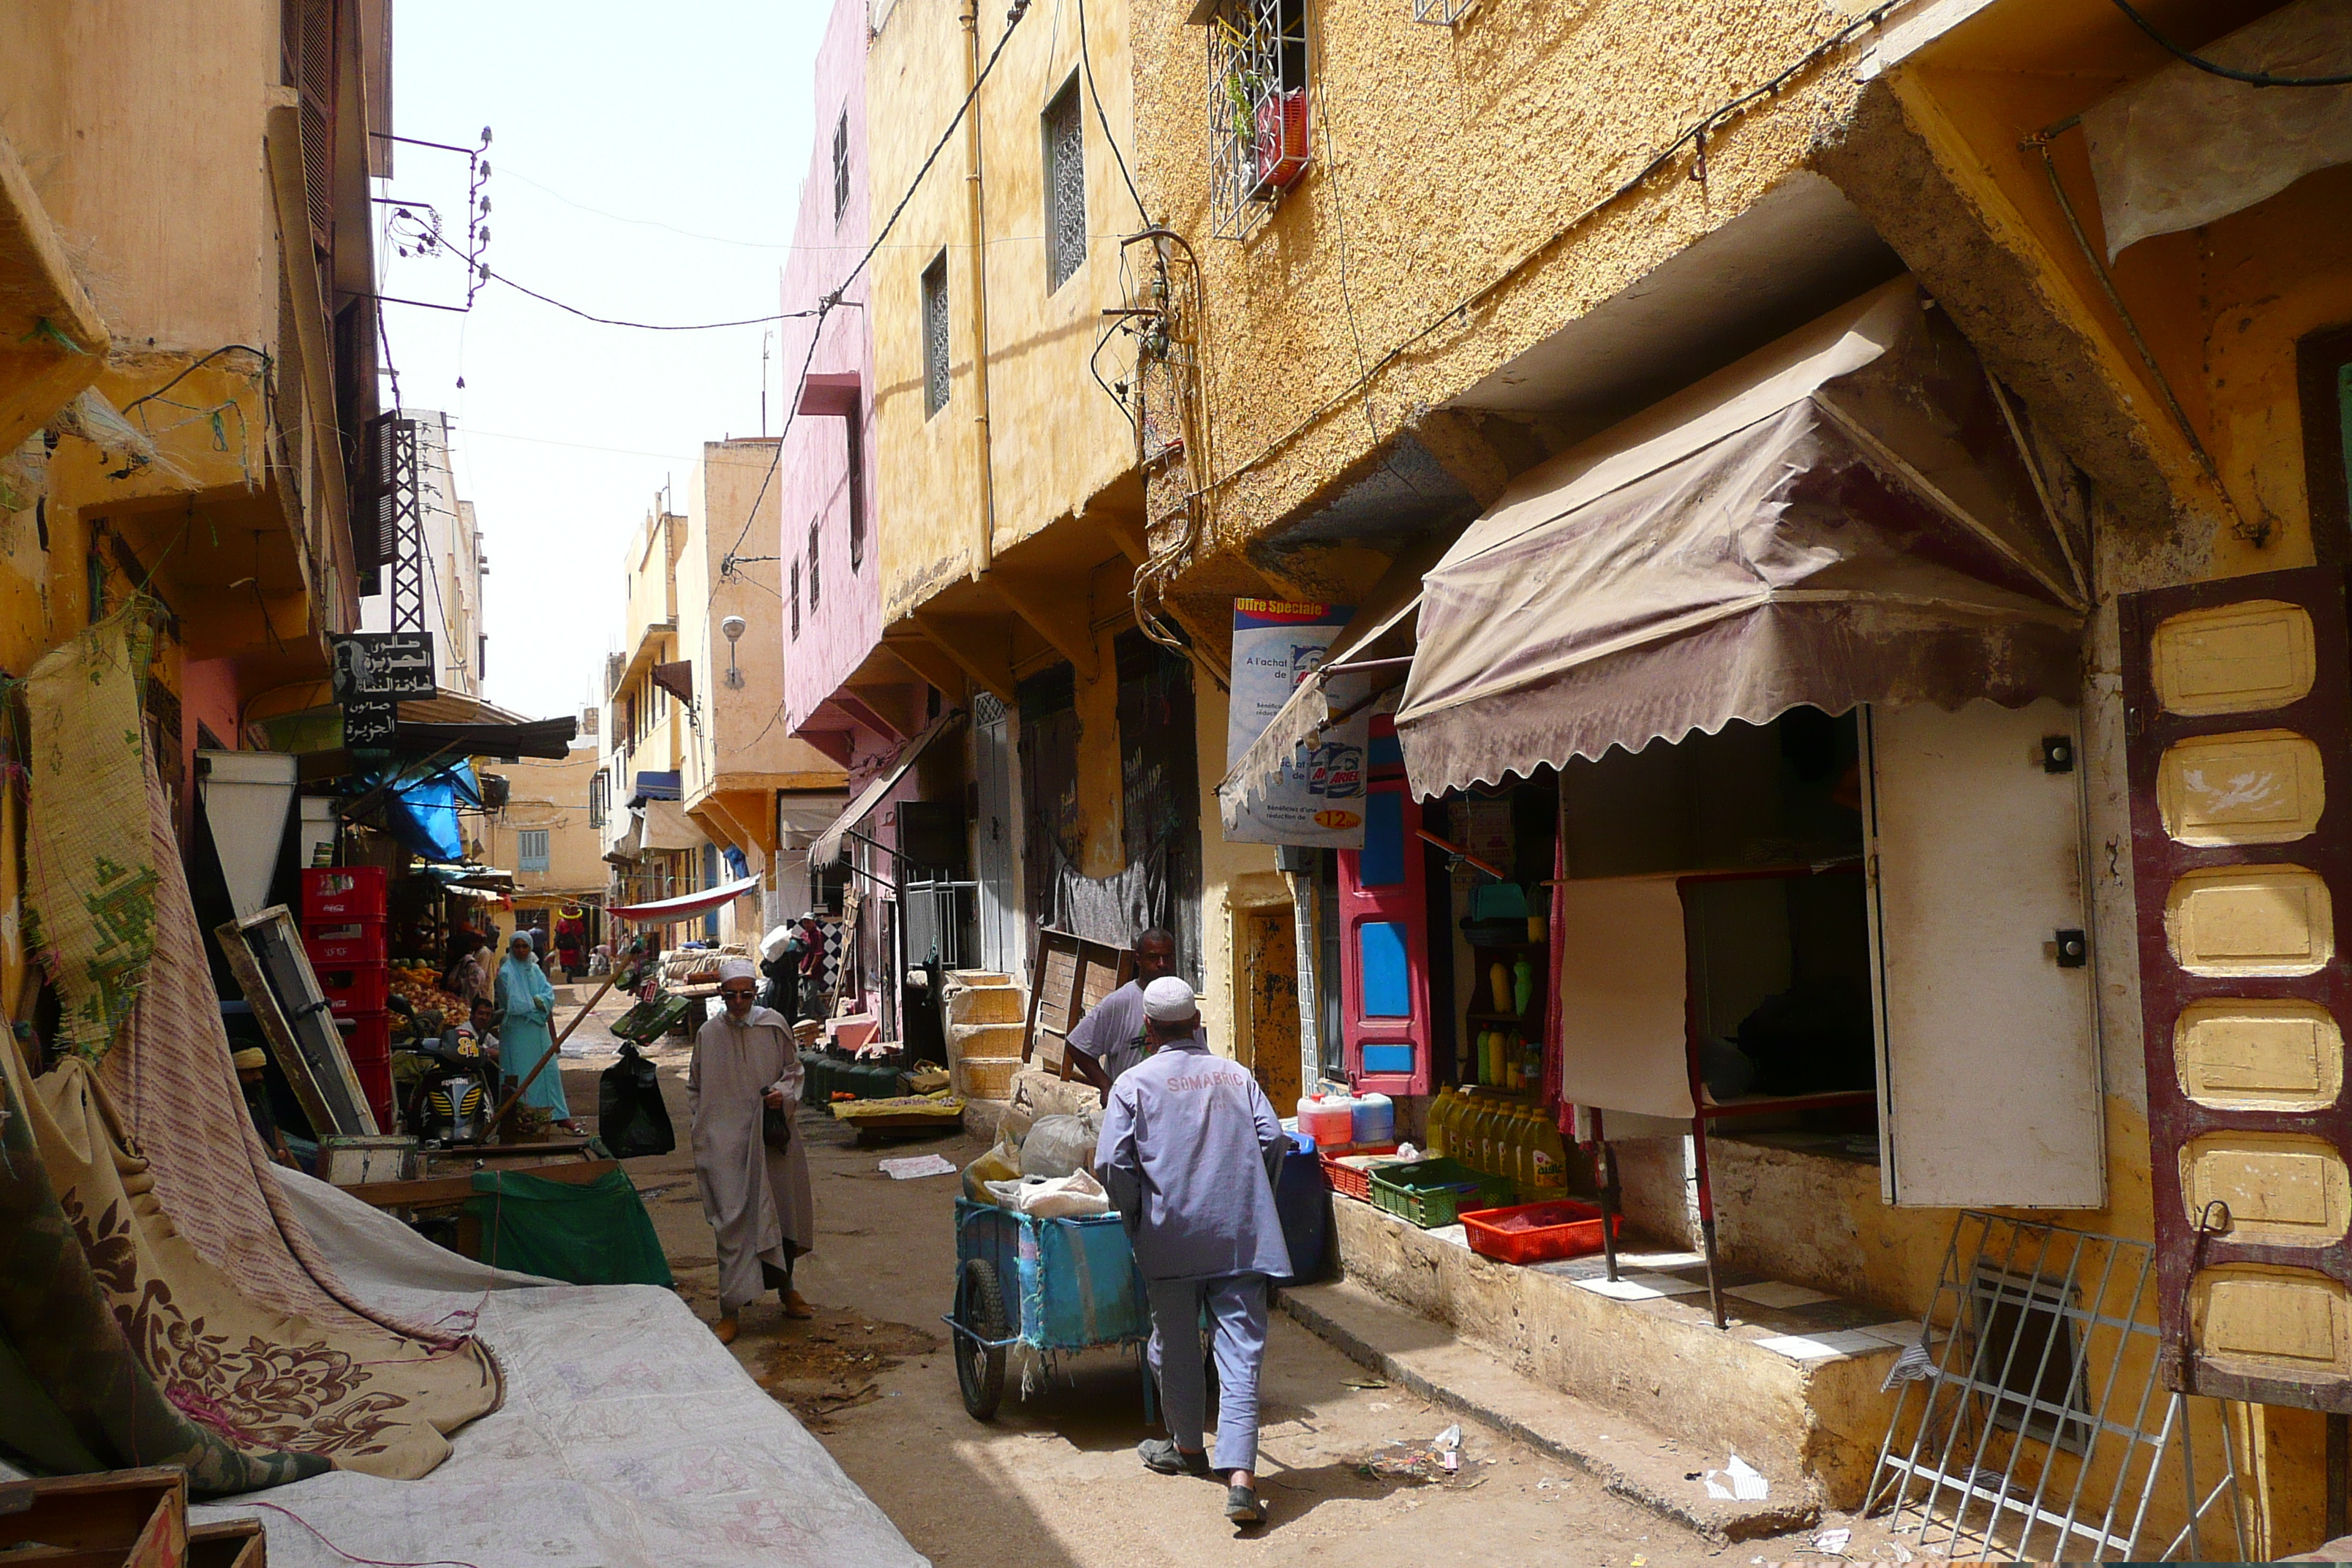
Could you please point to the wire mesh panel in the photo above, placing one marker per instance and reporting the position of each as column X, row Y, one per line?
column 2030, row 1419
column 1257, row 110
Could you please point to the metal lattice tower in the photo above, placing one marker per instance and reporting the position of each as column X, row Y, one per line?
column 399, row 518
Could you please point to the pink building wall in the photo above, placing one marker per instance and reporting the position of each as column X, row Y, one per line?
column 845, row 624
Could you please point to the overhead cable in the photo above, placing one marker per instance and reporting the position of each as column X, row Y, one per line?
column 2214, row 68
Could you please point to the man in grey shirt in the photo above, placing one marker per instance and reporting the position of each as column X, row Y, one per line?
column 1109, row 1040
column 1189, row 1151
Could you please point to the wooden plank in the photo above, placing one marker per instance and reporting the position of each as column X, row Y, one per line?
column 330, row 1093
column 229, row 1543
column 115, row 1518
column 429, row 1192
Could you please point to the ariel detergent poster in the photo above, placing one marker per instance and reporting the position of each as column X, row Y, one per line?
column 1319, row 798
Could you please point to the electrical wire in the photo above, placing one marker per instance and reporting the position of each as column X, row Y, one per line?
column 644, row 326
column 1087, row 69
column 2212, row 67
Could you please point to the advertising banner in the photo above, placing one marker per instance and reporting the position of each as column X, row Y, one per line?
column 1318, row 800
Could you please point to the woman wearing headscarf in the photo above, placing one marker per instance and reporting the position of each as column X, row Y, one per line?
column 527, row 1009
column 744, row 1088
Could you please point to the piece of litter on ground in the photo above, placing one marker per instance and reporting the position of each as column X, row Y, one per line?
column 908, row 1167
column 1902, row 1553
column 1832, row 1542
column 1547, row 1483
column 1451, row 1438
column 1361, row 1383
column 1377, row 1404
column 1738, row 1481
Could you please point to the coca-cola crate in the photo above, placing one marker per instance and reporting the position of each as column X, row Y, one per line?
column 357, row 989
column 345, row 945
column 342, row 893
column 368, row 1036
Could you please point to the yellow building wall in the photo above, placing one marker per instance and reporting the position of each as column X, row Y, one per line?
column 551, row 796
column 1059, row 440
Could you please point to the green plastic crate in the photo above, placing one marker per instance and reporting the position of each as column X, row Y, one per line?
column 1434, row 1193
column 649, row 1020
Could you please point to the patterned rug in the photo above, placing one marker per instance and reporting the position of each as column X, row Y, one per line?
column 89, row 886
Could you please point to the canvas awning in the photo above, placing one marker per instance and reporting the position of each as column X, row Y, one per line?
column 1842, row 516
column 663, row 911
column 827, row 848
column 667, row 826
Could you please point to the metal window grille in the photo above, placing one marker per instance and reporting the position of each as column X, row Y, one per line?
column 600, row 798
column 796, row 598
column 815, row 592
column 939, row 921
column 531, row 849
column 1066, row 185
column 853, row 430
column 841, row 167
column 1441, row 13
column 2042, row 1430
column 1258, row 123
column 935, row 335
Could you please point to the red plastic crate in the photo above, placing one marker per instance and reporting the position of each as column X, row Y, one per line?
column 346, row 944
column 369, row 1038
column 342, row 893
column 360, row 988
column 375, row 1082
column 1351, row 1181
column 1536, row 1233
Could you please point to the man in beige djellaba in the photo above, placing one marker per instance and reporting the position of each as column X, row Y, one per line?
column 743, row 1091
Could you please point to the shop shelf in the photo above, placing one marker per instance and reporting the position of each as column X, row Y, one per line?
column 1535, row 1233
column 1435, row 1193
column 345, row 892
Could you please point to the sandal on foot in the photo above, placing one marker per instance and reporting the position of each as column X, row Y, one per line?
column 1161, row 1456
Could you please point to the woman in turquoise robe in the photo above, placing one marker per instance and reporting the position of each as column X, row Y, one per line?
column 527, row 1003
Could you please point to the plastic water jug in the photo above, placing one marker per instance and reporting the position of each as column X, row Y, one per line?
column 1374, row 1117
column 1328, row 1119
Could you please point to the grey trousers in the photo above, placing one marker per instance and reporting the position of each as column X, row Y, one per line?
column 1236, row 1307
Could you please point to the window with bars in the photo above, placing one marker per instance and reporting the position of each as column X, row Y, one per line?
column 935, row 335
column 1258, row 124
column 796, row 599
column 1064, row 129
column 600, row 798
column 841, row 167
column 815, row 588
column 854, row 431
column 531, row 849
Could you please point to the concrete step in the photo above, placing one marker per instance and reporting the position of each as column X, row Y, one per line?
column 983, row 1040
column 988, row 1004
column 1628, row 1457
column 1792, row 1385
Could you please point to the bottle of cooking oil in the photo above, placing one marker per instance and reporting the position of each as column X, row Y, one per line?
column 1547, row 1162
column 1518, row 1168
column 1489, row 1138
column 1440, row 1111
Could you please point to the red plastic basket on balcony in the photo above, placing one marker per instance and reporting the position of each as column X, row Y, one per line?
column 1282, row 147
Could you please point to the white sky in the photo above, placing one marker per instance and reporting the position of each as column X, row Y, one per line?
column 694, row 117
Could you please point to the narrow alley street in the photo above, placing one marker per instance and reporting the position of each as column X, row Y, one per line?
column 1053, row 1482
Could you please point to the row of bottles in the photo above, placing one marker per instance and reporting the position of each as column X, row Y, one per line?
column 1500, row 1136
column 1500, row 1058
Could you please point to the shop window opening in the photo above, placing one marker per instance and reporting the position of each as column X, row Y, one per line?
column 2029, row 1357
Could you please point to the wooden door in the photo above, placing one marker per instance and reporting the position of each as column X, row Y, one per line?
column 1270, row 980
column 2240, row 761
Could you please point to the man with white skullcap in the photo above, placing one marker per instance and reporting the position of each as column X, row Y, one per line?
column 1189, row 1152
column 744, row 1088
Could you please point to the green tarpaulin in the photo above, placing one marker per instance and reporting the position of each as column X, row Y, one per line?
column 585, row 1232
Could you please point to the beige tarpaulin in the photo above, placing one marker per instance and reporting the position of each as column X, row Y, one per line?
column 669, row 828
column 1842, row 516
column 2185, row 147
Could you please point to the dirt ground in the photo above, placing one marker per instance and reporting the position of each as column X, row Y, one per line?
column 1054, row 1481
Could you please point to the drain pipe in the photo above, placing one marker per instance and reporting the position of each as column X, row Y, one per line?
column 977, row 217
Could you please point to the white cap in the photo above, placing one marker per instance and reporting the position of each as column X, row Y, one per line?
column 737, row 969
column 1169, row 1000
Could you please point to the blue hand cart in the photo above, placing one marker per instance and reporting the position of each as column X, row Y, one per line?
column 1053, row 1285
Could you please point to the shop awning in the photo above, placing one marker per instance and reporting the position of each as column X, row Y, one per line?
column 456, row 708
column 1363, row 664
column 656, row 786
column 827, row 848
column 663, row 911
column 1842, row 516
column 666, row 827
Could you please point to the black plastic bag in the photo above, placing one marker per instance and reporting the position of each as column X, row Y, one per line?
column 631, row 1118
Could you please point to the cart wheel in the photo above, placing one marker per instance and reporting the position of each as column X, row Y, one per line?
column 979, row 1369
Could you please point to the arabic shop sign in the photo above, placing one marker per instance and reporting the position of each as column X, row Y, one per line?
column 384, row 666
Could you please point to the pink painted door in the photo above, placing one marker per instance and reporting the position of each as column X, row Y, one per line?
column 1384, row 948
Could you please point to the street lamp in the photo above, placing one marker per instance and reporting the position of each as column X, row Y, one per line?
column 734, row 626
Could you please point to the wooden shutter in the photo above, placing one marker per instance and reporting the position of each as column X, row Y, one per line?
column 1384, row 947
column 1989, row 1066
column 310, row 58
column 2235, row 721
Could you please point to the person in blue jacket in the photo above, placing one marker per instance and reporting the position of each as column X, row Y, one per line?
column 1189, row 1151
